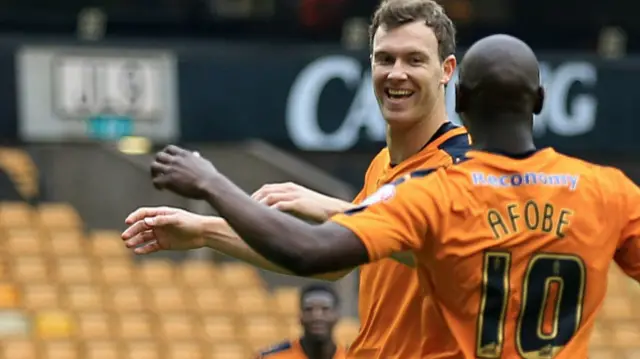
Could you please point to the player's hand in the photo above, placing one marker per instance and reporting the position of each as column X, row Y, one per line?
column 299, row 201
column 154, row 229
column 183, row 172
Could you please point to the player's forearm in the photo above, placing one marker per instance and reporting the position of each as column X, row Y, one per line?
column 221, row 237
column 297, row 246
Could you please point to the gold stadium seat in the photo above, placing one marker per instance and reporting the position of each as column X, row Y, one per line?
column 134, row 326
column 229, row 351
column 219, row 328
column 212, row 300
column 54, row 325
column 604, row 353
column 94, row 325
column 599, row 336
column 60, row 349
column 116, row 271
column 184, row 350
column 253, row 301
column 29, row 269
column 263, row 330
column 22, row 171
column 156, row 272
column 24, row 242
column 127, row 298
column 40, row 296
column 18, row 348
column 293, row 327
column 8, row 296
column 618, row 307
column 107, row 244
column 142, row 350
column 177, row 327
column 66, row 243
column 168, row 298
column 83, row 297
column 287, row 299
column 346, row 330
column 239, row 275
column 74, row 270
column 625, row 334
column 16, row 215
column 57, row 216
column 197, row 273
column 101, row 349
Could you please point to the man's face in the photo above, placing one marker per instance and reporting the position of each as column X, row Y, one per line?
column 408, row 75
column 319, row 315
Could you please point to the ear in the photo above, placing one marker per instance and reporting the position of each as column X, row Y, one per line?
column 537, row 107
column 462, row 103
column 448, row 69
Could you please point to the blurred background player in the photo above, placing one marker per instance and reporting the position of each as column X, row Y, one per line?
column 511, row 225
column 412, row 48
column 318, row 317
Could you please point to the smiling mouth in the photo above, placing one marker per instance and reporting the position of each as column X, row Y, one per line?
column 398, row 94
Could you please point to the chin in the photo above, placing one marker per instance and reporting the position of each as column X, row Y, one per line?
column 400, row 119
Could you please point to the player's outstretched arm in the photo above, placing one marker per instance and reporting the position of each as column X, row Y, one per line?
column 153, row 229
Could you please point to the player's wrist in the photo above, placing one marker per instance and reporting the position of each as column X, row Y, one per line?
column 212, row 229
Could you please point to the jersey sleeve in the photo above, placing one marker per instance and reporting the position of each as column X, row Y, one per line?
column 398, row 217
column 628, row 253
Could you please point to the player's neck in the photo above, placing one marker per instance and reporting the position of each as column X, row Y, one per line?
column 507, row 133
column 406, row 142
column 318, row 349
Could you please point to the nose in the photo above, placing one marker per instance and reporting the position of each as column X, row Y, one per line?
column 398, row 71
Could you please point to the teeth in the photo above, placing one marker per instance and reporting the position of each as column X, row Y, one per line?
column 400, row 92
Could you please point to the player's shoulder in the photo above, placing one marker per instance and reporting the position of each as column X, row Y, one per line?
column 455, row 143
column 274, row 351
column 377, row 164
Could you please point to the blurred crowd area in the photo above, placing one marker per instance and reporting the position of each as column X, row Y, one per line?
column 546, row 24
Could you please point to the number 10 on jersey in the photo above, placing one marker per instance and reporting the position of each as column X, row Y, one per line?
column 551, row 309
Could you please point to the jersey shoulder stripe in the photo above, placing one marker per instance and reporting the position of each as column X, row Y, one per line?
column 276, row 349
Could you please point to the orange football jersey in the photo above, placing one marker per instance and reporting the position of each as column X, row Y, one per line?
column 293, row 350
column 389, row 304
column 514, row 252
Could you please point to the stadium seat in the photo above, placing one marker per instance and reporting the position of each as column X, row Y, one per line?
column 287, row 300
column 156, row 272
column 632, row 353
column 219, row 328
column 83, row 297
column 618, row 306
column 58, row 216
column 293, row 327
column 66, row 243
column 16, row 215
column 8, row 296
column 22, row 170
column 196, row 273
column 115, row 271
column 29, row 269
column 60, row 349
column 603, row 353
column 142, row 350
column 107, row 244
column 94, row 325
column 229, row 351
column 134, row 326
column 13, row 323
column 127, row 298
column 263, row 330
column 24, row 242
column 250, row 301
column 40, row 296
column 346, row 330
column 599, row 336
column 18, row 348
column 184, row 350
column 101, row 349
column 74, row 270
column 625, row 334
column 211, row 300
column 177, row 327
column 239, row 275
column 168, row 298
column 54, row 325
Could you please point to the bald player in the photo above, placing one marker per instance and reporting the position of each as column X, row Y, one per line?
column 513, row 244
